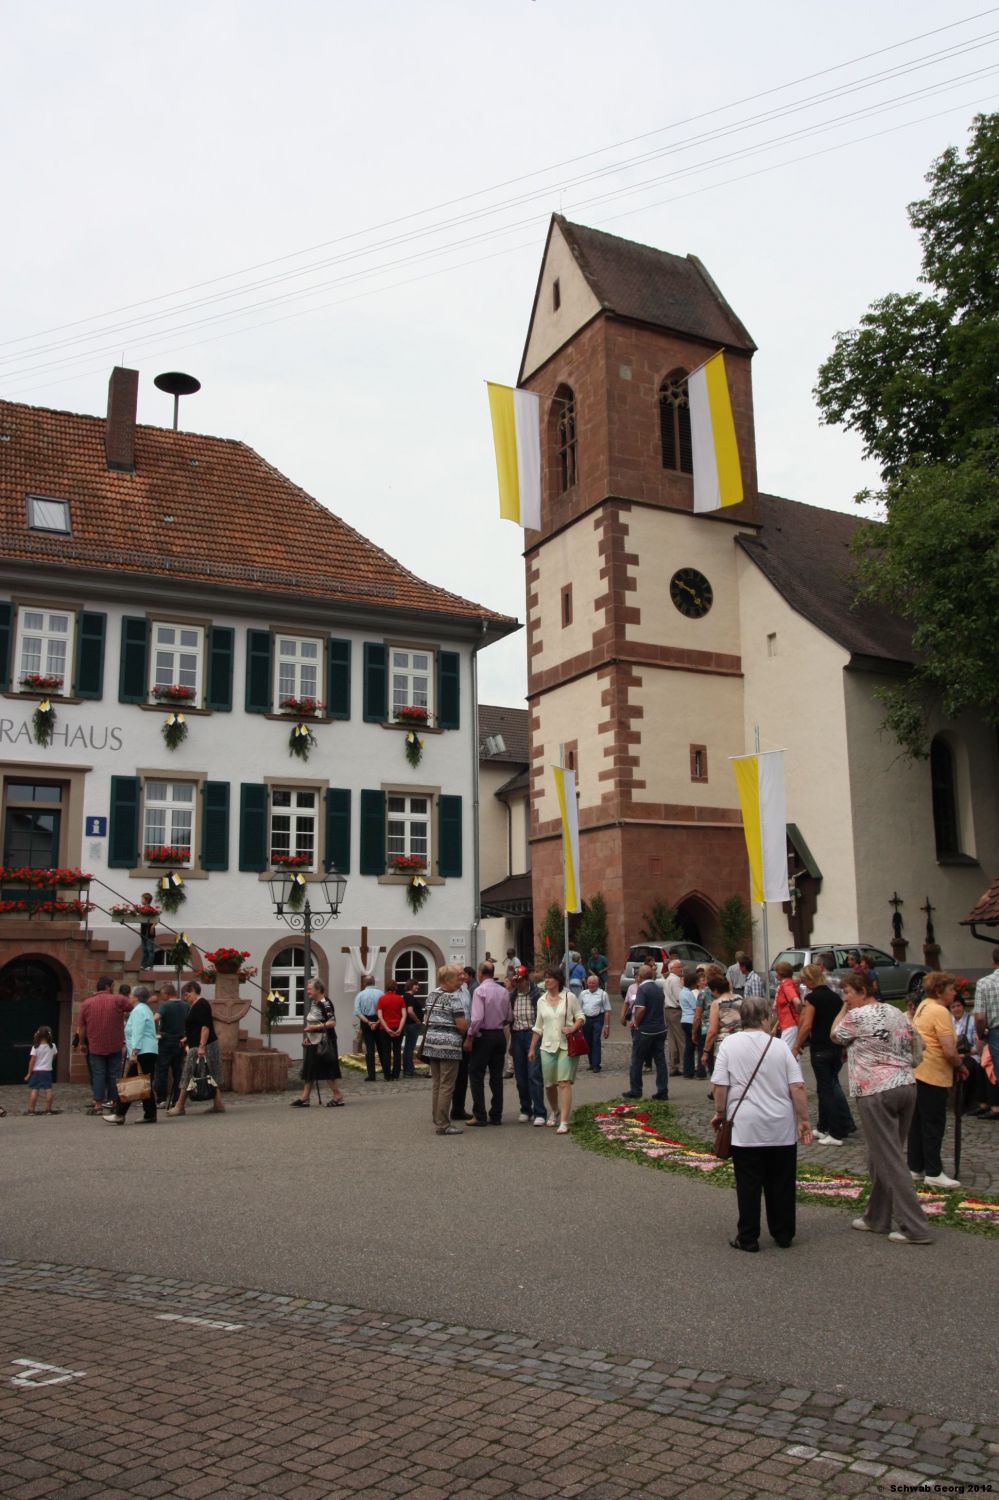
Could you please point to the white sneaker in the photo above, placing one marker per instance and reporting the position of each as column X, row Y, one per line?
column 916, row 1176
column 862, row 1225
column 538, row 1121
column 899, row 1237
column 943, row 1181
column 819, row 1139
column 522, row 1119
column 562, row 1130
column 831, row 1140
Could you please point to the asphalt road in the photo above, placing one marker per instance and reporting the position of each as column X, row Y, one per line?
column 514, row 1229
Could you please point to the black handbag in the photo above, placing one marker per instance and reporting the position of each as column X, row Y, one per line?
column 326, row 1045
column 201, row 1086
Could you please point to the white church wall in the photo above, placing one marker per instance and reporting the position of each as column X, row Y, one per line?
column 571, row 557
column 552, row 325
column 572, row 712
column 681, row 709
column 793, row 689
column 893, row 815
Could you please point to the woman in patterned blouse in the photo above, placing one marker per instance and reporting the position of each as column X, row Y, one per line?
column 878, row 1039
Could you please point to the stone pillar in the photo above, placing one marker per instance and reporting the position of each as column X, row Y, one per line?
column 899, row 948
column 228, row 1009
column 931, row 955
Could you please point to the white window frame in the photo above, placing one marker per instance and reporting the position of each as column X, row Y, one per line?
column 289, row 980
column 296, row 662
column 47, row 637
column 408, row 675
column 175, row 651
column 169, row 804
column 295, row 814
column 409, row 819
column 45, row 513
column 398, row 965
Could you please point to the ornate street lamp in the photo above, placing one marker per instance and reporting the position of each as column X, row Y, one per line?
column 297, row 910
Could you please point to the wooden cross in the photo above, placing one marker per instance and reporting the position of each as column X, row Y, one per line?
column 364, row 950
column 896, row 921
column 929, row 910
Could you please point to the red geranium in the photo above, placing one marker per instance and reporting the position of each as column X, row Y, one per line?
column 412, row 714
column 166, row 854
column 173, row 692
column 307, row 705
column 407, row 864
column 291, row 861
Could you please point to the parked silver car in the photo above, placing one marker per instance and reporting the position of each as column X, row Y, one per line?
column 896, row 980
column 660, row 954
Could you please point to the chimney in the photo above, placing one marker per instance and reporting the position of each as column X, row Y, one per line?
column 119, row 434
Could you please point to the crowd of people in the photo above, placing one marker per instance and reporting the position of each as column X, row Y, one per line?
column 478, row 1028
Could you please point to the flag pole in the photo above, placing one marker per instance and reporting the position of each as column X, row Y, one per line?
column 565, row 893
column 766, row 935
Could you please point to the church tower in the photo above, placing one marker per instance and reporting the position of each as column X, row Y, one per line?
column 632, row 600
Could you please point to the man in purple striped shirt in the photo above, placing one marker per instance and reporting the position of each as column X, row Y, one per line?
column 486, row 1042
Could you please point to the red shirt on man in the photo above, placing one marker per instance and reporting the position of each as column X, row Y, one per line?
column 102, row 1022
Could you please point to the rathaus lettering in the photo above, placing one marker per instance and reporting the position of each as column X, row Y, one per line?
column 69, row 735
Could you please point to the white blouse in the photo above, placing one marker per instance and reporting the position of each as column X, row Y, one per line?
column 552, row 1018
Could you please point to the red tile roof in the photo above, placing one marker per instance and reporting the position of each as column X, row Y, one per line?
column 985, row 909
column 511, row 723
column 207, row 508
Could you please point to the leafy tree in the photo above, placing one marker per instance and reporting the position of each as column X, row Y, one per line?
column 661, row 922
column 919, row 381
column 592, row 931
column 735, row 924
column 553, row 929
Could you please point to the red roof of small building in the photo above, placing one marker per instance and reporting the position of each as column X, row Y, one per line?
column 985, row 909
column 205, row 508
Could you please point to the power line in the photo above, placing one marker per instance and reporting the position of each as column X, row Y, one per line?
column 18, row 360
column 496, row 187
column 526, row 245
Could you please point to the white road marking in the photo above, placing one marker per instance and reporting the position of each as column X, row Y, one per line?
column 201, row 1322
column 33, row 1372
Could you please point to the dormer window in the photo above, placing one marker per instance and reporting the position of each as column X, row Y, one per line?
column 45, row 514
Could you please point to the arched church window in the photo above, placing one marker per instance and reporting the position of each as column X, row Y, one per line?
column 566, row 469
column 674, row 423
column 943, row 781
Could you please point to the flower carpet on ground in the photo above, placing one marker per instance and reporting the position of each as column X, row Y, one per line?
column 650, row 1135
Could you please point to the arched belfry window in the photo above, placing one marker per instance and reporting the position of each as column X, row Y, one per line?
column 674, row 423
column 943, row 780
column 566, row 468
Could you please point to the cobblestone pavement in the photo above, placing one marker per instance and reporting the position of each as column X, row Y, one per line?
column 128, row 1385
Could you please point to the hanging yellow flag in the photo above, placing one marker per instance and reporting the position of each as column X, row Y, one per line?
column 717, row 471
column 516, row 419
column 760, row 782
column 565, row 790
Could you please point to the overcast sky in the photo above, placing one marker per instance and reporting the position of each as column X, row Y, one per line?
column 155, row 147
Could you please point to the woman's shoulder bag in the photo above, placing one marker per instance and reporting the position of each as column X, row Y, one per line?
column 722, row 1147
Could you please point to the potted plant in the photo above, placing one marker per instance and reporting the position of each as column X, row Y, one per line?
column 412, row 713
column 291, row 861
column 42, row 682
column 166, row 854
column 227, row 960
column 134, row 911
column 305, row 708
column 173, row 692
column 407, row 864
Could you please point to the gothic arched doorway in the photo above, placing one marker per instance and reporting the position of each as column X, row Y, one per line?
column 29, row 998
column 698, row 921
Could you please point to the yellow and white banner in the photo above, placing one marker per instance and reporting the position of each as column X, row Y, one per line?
column 517, row 437
column 565, row 790
column 717, row 472
column 760, row 782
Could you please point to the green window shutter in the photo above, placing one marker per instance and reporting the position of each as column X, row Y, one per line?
column 338, row 829
column 448, row 690
column 133, row 680
column 375, row 682
column 88, row 675
column 258, row 671
column 123, row 827
column 6, row 642
column 449, row 836
column 372, row 833
column 254, row 853
column 221, row 651
column 338, row 679
column 215, row 826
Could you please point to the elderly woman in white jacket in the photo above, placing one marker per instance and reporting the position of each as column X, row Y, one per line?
column 758, row 1085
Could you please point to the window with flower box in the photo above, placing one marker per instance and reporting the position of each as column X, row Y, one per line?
column 412, row 680
column 177, row 657
column 44, row 649
column 298, row 668
column 294, row 813
column 407, row 832
column 168, row 822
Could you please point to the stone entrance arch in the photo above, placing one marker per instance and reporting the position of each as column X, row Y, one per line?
column 35, row 990
column 698, row 918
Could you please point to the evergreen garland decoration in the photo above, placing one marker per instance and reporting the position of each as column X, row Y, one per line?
column 172, row 892
column 301, row 741
column 414, row 748
column 174, row 730
column 417, row 892
column 43, row 722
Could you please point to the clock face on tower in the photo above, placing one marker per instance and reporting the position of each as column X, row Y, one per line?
column 691, row 592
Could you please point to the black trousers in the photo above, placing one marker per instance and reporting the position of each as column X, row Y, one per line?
column 926, row 1132
column 767, row 1172
column 488, row 1055
column 147, row 1064
column 393, row 1047
column 169, row 1067
column 376, row 1043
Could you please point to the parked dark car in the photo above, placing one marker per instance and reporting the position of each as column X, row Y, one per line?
column 896, row 980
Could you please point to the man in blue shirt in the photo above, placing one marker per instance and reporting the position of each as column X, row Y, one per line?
column 375, row 1039
column 648, row 1021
